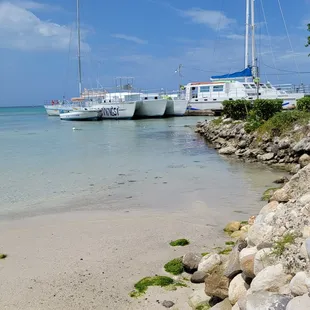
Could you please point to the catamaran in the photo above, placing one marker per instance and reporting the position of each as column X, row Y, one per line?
column 244, row 84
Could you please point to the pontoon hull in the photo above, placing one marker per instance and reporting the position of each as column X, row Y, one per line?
column 151, row 108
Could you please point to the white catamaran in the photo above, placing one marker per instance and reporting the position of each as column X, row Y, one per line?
column 238, row 85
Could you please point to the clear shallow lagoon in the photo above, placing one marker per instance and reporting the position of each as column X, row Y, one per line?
column 46, row 166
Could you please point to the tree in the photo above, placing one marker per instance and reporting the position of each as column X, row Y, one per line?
column 308, row 44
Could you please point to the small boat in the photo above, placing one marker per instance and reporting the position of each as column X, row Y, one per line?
column 176, row 107
column 53, row 108
column 82, row 114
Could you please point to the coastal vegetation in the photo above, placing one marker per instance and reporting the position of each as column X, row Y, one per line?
column 179, row 242
column 175, row 266
column 3, row 256
column 266, row 115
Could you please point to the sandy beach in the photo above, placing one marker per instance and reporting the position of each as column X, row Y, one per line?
column 91, row 259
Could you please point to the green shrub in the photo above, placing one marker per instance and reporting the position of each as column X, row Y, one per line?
column 283, row 121
column 303, row 104
column 253, row 122
column 267, row 108
column 237, row 109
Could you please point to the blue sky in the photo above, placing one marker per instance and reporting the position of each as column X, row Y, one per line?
column 146, row 39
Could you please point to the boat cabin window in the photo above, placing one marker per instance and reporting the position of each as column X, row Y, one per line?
column 247, row 86
column 262, row 85
column 253, row 86
column 204, row 89
column 218, row 88
column 268, row 86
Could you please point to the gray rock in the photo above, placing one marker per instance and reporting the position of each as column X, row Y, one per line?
column 284, row 143
column 168, row 303
column 304, row 160
column 295, row 169
column 233, row 266
column 267, row 301
column 266, row 157
column 198, row 277
column 223, row 305
column 302, row 146
column 216, row 284
column 229, row 150
column 191, row 261
column 259, row 233
column 209, row 262
column 263, row 259
column 299, row 303
column 298, row 284
column 298, row 185
column 242, row 144
column 270, row 279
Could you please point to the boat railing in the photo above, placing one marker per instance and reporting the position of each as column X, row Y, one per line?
column 292, row 88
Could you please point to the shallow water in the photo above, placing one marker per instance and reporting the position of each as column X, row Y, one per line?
column 46, row 166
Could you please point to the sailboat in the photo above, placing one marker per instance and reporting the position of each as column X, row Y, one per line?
column 244, row 84
column 84, row 111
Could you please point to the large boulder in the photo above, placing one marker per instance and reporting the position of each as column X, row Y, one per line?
column 267, row 301
column 191, row 261
column 299, row 303
column 237, row 289
column 271, row 279
column 266, row 157
column 298, row 185
column 233, row 264
column 270, row 207
column 298, row 285
column 259, row 233
column 216, row 284
column 209, row 262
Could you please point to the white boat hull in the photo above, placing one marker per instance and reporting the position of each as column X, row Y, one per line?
column 83, row 114
column 176, row 107
column 151, row 108
column 53, row 110
column 118, row 111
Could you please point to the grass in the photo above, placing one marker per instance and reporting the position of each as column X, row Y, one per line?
column 205, row 253
column 282, row 122
column 174, row 267
column 217, row 121
column 142, row 286
column 231, row 243
column 225, row 251
column 179, row 242
column 281, row 245
column 3, row 256
column 268, row 193
column 244, row 223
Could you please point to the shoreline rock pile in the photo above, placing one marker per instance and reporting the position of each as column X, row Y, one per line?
column 230, row 138
column 269, row 266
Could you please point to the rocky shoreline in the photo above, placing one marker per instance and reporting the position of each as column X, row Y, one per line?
column 289, row 151
column 267, row 266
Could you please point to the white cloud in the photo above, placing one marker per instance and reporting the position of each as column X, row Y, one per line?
column 129, row 38
column 214, row 19
column 35, row 6
column 22, row 29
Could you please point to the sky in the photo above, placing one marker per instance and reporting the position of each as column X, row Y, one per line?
column 143, row 39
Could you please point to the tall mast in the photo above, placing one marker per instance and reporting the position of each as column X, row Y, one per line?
column 253, row 38
column 247, row 24
column 79, row 44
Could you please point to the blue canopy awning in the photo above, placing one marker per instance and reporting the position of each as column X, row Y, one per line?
column 247, row 72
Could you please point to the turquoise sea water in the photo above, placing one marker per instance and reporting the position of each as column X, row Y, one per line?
column 46, row 166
